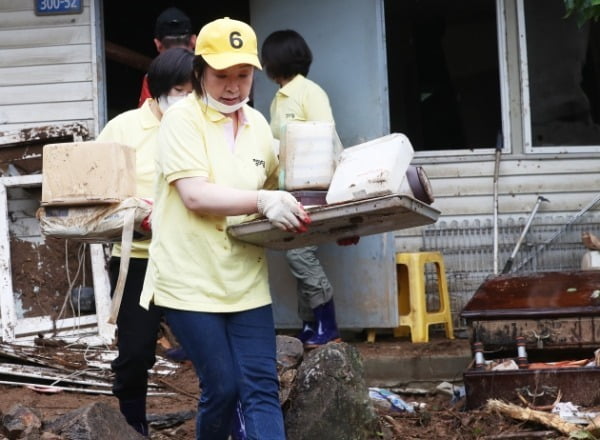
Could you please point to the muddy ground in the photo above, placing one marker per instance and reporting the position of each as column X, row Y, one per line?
column 439, row 419
column 44, row 265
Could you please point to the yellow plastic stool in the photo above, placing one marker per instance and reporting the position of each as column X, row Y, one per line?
column 412, row 306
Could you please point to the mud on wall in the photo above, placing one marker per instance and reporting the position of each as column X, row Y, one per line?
column 42, row 268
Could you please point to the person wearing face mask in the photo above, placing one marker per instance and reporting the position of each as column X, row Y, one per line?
column 169, row 80
column 215, row 166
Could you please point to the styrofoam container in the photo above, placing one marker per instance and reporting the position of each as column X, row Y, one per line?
column 372, row 169
column 307, row 155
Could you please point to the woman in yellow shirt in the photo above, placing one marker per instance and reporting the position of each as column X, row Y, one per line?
column 215, row 165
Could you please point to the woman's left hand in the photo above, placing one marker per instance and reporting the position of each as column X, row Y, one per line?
column 283, row 210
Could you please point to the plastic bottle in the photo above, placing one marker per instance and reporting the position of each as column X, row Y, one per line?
column 522, row 360
column 479, row 359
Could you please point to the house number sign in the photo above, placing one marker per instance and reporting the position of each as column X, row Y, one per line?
column 53, row 7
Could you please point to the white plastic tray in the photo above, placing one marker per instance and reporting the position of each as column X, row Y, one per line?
column 331, row 222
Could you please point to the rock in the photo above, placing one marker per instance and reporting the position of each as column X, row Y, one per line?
column 286, row 382
column 20, row 422
column 97, row 421
column 289, row 352
column 330, row 396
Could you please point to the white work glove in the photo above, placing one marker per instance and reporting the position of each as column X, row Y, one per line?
column 282, row 210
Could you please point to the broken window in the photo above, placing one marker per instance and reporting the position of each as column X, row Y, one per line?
column 443, row 73
column 563, row 66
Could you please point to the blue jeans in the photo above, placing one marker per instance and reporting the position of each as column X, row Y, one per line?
column 234, row 355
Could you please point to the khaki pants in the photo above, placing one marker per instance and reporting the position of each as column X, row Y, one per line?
column 312, row 287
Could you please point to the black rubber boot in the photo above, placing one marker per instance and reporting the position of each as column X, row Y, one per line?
column 134, row 411
column 326, row 327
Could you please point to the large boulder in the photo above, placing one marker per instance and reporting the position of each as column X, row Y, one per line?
column 330, row 398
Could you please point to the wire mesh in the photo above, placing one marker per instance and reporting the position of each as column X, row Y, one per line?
column 551, row 244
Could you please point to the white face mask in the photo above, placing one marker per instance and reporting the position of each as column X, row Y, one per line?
column 223, row 108
column 164, row 101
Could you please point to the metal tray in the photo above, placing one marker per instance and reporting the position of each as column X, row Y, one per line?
column 331, row 222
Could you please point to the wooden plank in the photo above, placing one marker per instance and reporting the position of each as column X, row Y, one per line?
column 47, row 113
column 41, row 133
column 37, row 56
column 17, row 5
column 37, row 324
column 530, row 184
column 23, row 181
column 87, row 124
column 26, row 19
column 518, row 204
column 44, row 93
column 564, row 164
column 17, row 76
column 56, row 376
column 60, row 36
column 101, row 292
column 8, row 314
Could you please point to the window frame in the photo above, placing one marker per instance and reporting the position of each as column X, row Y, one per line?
column 505, row 96
column 525, row 109
column 11, row 327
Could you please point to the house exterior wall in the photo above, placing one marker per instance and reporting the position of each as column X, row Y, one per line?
column 465, row 234
column 463, row 180
column 48, row 69
column 50, row 73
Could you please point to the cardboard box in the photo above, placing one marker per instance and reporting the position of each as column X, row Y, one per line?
column 87, row 173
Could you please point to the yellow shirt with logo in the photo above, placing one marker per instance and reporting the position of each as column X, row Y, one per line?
column 299, row 100
column 138, row 129
column 194, row 264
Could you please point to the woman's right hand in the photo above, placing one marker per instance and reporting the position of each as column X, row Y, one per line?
column 282, row 210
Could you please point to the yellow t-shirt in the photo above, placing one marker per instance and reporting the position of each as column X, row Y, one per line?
column 299, row 100
column 138, row 129
column 194, row 264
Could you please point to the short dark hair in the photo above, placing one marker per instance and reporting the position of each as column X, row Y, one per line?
column 171, row 68
column 285, row 54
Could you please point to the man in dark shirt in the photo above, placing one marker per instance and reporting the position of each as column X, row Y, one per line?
column 173, row 28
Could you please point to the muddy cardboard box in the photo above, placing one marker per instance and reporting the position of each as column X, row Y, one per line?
column 87, row 173
column 556, row 318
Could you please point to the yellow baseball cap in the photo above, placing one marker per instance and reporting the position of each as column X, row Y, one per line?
column 225, row 42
